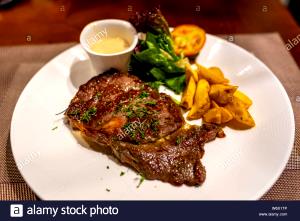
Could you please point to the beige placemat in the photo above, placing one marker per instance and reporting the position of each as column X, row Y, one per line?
column 19, row 63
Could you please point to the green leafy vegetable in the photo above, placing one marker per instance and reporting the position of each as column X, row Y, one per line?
column 157, row 74
column 176, row 84
column 155, row 84
column 154, row 60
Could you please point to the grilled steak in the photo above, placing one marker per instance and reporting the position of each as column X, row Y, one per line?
column 144, row 128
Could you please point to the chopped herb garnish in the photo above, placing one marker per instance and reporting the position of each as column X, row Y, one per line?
column 134, row 130
column 118, row 108
column 135, row 111
column 122, row 173
column 75, row 112
column 154, row 124
column 54, row 128
column 151, row 102
column 97, row 95
column 127, row 126
column 143, row 94
column 179, row 140
column 130, row 130
column 142, row 133
column 107, row 190
column 142, row 179
column 133, row 134
column 62, row 112
column 87, row 115
column 141, row 112
column 129, row 113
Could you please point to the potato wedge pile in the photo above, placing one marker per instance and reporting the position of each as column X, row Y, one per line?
column 208, row 95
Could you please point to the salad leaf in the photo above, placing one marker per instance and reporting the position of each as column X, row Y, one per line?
column 150, row 21
column 158, row 74
column 154, row 59
column 157, row 59
column 165, row 42
column 176, row 84
column 162, row 41
column 155, row 84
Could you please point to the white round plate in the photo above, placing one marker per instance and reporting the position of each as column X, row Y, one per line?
column 244, row 165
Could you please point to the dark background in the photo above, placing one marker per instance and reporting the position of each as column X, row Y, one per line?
column 51, row 21
column 294, row 7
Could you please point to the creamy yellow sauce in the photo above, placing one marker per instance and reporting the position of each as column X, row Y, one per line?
column 109, row 45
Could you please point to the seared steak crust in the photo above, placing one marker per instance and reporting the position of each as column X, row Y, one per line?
column 112, row 106
column 176, row 159
column 144, row 129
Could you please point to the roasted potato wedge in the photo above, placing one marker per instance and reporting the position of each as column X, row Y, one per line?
column 213, row 116
column 213, row 75
column 214, row 99
column 187, row 98
column 214, row 104
column 226, row 115
column 222, row 94
column 240, row 113
column 243, row 98
column 190, row 72
column 201, row 101
column 218, row 75
column 217, row 115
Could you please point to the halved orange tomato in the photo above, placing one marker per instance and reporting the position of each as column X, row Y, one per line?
column 188, row 39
